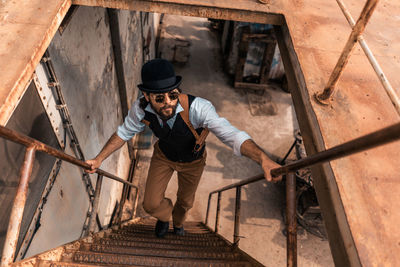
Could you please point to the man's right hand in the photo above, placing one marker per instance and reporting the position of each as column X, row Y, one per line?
column 94, row 164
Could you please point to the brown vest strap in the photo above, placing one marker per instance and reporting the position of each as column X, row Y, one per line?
column 145, row 122
column 200, row 139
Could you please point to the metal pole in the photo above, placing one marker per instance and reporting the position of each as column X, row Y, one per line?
column 236, row 237
column 96, row 201
column 378, row 70
column 135, row 203
column 14, row 225
column 383, row 136
column 344, row 57
column 287, row 154
column 218, row 209
column 208, row 208
column 291, row 223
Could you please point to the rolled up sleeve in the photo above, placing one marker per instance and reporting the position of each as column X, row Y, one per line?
column 203, row 114
column 132, row 123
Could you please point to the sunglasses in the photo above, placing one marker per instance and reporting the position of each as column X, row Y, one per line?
column 161, row 97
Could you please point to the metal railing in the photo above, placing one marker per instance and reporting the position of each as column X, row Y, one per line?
column 32, row 145
column 356, row 35
column 381, row 137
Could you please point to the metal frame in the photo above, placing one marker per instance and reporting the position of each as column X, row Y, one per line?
column 378, row 138
column 378, row 70
column 356, row 35
column 26, row 170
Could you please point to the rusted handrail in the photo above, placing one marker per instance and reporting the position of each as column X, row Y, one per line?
column 39, row 146
column 377, row 138
column 380, row 137
column 20, row 198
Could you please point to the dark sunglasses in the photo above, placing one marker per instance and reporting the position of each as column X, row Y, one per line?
column 171, row 95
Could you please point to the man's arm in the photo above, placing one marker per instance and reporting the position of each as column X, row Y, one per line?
column 113, row 144
column 203, row 114
column 254, row 152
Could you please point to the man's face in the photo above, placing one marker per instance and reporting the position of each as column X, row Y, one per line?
column 164, row 104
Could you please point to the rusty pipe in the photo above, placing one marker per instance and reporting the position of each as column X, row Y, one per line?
column 208, row 208
column 291, row 223
column 14, row 225
column 218, row 211
column 136, row 202
column 39, row 146
column 236, row 232
column 380, row 137
column 358, row 29
column 96, row 201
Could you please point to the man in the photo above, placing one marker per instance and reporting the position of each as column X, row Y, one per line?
column 181, row 123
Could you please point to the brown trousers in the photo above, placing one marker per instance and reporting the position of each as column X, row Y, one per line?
column 160, row 172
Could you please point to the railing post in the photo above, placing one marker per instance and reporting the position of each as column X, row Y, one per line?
column 14, row 225
column 96, row 201
column 291, row 223
column 208, row 208
column 358, row 29
column 217, row 214
column 236, row 237
column 136, row 202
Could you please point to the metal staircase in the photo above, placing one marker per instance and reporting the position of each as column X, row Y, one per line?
column 135, row 244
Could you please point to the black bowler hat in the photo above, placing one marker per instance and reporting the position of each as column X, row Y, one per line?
column 158, row 76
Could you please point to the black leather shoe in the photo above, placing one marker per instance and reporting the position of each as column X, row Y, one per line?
column 161, row 228
column 179, row 231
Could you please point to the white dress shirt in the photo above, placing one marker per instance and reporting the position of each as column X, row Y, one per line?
column 201, row 114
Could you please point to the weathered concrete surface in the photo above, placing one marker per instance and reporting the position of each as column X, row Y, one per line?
column 262, row 203
column 132, row 50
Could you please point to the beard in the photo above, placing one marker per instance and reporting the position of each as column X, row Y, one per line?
column 161, row 112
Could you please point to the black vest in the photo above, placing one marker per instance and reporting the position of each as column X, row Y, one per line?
column 177, row 143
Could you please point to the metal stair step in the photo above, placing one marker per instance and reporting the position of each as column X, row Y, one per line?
column 151, row 232
column 151, row 228
column 170, row 253
column 151, row 221
column 169, row 236
column 168, row 240
column 122, row 259
column 140, row 244
column 172, row 239
column 48, row 263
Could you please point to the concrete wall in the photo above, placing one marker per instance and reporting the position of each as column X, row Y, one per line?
column 83, row 59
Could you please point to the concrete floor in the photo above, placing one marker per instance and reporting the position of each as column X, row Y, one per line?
column 262, row 203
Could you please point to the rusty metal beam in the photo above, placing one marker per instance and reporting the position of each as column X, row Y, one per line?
column 208, row 209
column 218, row 212
column 236, row 232
column 341, row 241
column 96, row 201
column 291, row 220
column 14, row 225
column 366, row 13
column 188, row 9
column 19, row 74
